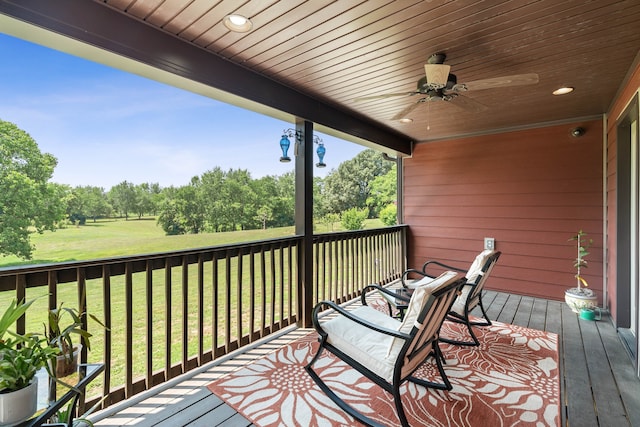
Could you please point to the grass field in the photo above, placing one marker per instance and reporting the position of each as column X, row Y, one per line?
column 118, row 237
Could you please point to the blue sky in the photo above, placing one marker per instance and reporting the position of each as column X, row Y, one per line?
column 105, row 126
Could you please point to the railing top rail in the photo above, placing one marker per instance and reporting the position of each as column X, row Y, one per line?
column 338, row 235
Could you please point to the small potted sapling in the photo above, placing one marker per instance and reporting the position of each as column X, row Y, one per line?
column 580, row 296
column 64, row 323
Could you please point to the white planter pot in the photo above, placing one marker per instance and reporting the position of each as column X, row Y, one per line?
column 19, row 405
column 576, row 300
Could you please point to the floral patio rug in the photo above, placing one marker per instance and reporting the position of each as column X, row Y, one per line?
column 511, row 379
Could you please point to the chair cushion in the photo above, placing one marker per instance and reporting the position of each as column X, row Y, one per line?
column 378, row 352
column 412, row 284
column 472, row 277
column 461, row 300
column 420, row 296
column 364, row 345
column 417, row 302
column 477, row 264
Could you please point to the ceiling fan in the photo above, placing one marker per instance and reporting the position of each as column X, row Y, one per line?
column 440, row 85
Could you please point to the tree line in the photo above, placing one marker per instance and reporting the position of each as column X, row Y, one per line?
column 216, row 201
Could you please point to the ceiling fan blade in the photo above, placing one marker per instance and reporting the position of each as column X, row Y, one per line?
column 468, row 104
column 387, row 95
column 408, row 109
column 504, row 81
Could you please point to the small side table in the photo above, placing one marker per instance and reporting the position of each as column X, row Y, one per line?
column 399, row 300
column 87, row 373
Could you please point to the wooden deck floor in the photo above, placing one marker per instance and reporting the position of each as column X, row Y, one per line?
column 598, row 384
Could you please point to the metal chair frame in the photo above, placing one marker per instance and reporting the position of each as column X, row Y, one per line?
column 419, row 344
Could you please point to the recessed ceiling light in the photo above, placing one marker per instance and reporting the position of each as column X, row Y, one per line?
column 563, row 90
column 406, row 120
column 237, row 23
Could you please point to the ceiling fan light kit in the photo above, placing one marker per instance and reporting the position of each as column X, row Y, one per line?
column 437, row 75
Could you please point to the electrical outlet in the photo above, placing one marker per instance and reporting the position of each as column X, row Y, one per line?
column 489, row 243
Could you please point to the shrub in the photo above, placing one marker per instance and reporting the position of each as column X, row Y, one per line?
column 353, row 219
column 389, row 214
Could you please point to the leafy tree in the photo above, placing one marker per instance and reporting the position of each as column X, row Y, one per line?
column 144, row 200
column 211, row 193
column 329, row 219
column 384, row 191
column 123, row 198
column 353, row 219
column 349, row 186
column 264, row 214
column 28, row 202
column 283, row 200
column 181, row 211
column 389, row 214
column 87, row 202
column 240, row 200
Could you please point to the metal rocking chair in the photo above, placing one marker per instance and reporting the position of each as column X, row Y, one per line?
column 384, row 349
column 471, row 295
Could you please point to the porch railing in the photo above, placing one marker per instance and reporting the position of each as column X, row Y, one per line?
column 168, row 313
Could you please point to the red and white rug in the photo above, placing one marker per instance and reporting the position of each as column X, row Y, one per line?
column 511, row 379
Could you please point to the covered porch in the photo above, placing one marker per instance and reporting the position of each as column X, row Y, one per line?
column 517, row 171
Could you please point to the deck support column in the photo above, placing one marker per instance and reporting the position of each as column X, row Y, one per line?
column 304, row 220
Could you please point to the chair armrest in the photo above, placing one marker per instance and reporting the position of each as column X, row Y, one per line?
column 378, row 288
column 341, row 311
column 444, row 266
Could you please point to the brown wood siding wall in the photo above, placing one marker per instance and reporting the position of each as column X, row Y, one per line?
column 530, row 190
column 626, row 93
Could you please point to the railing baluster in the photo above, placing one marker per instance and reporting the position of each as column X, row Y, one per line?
column 200, row 310
column 185, row 312
column 252, row 294
column 149, row 320
column 272, row 252
column 215, row 302
column 168, row 329
column 227, row 303
column 106, row 307
column 281, row 285
column 239, row 305
column 263, row 280
column 128, row 302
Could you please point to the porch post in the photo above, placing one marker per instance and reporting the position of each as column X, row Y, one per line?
column 304, row 221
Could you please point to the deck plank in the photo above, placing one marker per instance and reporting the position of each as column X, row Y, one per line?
column 622, row 371
column 598, row 385
column 580, row 408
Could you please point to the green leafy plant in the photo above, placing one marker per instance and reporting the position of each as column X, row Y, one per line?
column 64, row 323
column 582, row 247
column 21, row 355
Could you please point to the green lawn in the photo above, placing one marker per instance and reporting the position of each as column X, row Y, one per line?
column 117, row 237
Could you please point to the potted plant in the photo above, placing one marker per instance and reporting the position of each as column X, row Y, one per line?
column 21, row 356
column 64, row 322
column 580, row 297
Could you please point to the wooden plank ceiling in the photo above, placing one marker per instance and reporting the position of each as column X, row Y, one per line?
column 336, row 51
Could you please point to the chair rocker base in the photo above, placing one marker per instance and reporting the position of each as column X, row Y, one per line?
column 393, row 389
column 457, row 318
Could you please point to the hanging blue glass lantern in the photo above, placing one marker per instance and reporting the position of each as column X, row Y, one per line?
column 284, row 145
column 321, row 151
